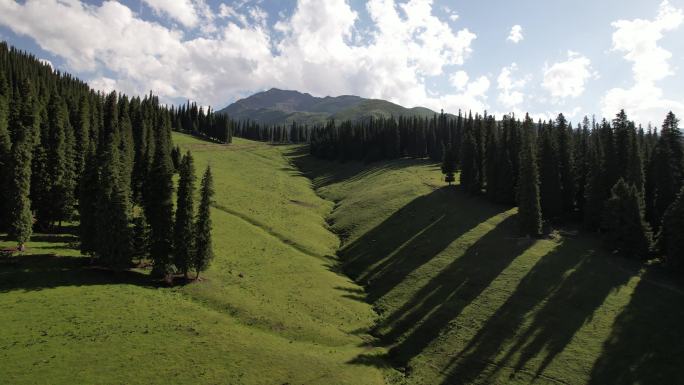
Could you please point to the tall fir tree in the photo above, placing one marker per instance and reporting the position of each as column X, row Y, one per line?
column 671, row 237
column 114, row 236
column 87, row 202
column 5, row 151
column 448, row 164
column 529, row 207
column 667, row 167
column 549, row 174
column 25, row 125
column 160, row 206
column 60, row 167
column 626, row 231
column 184, row 227
column 568, row 176
column 203, row 245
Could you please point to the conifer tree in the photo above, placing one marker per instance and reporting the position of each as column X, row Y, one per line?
column 668, row 167
column 595, row 189
column 141, row 237
column 203, row 244
column 626, row 231
column 568, row 177
column 184, row 232
column 448, row 164
column 60, row 171
column 160, row 206
column 529, row 207
column 25, row 125
column 549, row 175
column 87, row 202
column 114, row 236
column 5, row 151
column 671, row 237
column 82, row 134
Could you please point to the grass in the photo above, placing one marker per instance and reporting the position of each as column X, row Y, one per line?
column 463, row 299
column 458, row 296
column 271, row 310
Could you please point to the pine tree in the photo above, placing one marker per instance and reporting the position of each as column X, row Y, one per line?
column 623, row 220
column 568, row 176
column 529, row 207
column 184, row 233
column 203, row 244
column 550, row 182
column 5, row 151
column 25, row 127
column 141, row 237
column 671, row 237
column 160, row 206
column 87, row 202
column 114, row 236
column 595, row 189
column 448, row 164
column 668, row 167
column 60, row 168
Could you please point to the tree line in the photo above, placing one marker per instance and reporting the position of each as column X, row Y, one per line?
column 68, row 153
column 614, row 177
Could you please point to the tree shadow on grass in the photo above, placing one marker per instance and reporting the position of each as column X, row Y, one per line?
column 570, row 283
column 411, row 328
column 646, row 345
column 384, row 256
column 43, row 271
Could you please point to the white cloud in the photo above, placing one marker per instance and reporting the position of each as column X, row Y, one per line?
column 567, row 79
column 317, row 49
column 453, row 16
column 182, row 11
column 459, row 79
column 638, row 40
column 509, row 95
column 515, row 35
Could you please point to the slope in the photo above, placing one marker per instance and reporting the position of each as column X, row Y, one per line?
column 270, row 311
column 276, row 106
column 463, row 299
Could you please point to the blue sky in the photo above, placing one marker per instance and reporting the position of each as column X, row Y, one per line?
column 542, row 57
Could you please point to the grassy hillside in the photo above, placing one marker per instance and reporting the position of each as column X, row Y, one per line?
column 463, row 299
column 270, row 311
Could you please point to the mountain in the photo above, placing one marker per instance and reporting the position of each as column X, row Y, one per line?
column 277, row 106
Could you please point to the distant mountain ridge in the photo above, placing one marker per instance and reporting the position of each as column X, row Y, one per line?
column 277, row 106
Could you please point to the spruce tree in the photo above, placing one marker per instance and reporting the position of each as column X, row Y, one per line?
column 448, row 164
column 568, row 177
column 529, row 207
column 203, row 244
column 60, row 167
column 160, row 206
column 671, row 237
column 5, row 151
column 667, row 167
column 595, row 188
column 87, row 202
column 114, row 236
column 626, row 231
column 184, row 233
column 141, row 237
column 550, row 182
column 25, row 126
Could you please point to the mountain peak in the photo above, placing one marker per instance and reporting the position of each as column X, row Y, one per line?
column 278, row 106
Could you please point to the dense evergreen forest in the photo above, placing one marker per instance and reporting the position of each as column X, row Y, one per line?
column 613, row 177
column 105, row 161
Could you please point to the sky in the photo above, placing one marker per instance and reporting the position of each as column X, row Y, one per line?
column 538, row 56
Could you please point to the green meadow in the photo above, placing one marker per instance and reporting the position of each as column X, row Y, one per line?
column 344, row 273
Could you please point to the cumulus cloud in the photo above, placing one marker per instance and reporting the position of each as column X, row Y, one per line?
column 567, row 79
column 638, row 41
column 515, row 35
column 510, row 96
column 459, row 79
column 182, row 11
column 316, row 49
